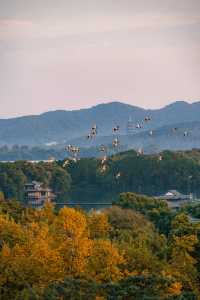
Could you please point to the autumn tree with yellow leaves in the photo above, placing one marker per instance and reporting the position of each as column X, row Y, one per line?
column 114, row 254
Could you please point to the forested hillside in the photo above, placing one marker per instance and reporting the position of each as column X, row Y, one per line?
column 135, row 250
column 85, row 181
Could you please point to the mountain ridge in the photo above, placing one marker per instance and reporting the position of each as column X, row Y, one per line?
column 61, row 126
column 177, row 102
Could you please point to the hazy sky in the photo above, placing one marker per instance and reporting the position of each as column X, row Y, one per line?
column 69, row 54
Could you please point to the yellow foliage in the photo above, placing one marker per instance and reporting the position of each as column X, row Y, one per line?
column 175, row 289
column 71, row 222
column 98, row 225
column 5, row 256
column 75, row 253
column 46, row 248
column 10, row 232
column 104, row 262
column 182, row 263
column 70, row 233
column 48, row 212
column 5, row 252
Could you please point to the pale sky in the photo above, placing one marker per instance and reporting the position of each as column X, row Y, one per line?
column 73, row 54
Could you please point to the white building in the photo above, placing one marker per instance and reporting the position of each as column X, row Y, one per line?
column 175, row 199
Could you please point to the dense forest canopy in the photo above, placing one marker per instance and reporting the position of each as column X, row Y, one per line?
column 136, row 249
column 83, row 181
column 121, row 253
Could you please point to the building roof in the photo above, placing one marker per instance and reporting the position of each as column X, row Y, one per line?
column 34, row 183
column 174, row 195
column 36, row 186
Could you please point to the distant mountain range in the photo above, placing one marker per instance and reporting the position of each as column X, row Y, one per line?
column 60, row 127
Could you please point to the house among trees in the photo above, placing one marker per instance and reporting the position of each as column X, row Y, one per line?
column 36, row 194
column 175, row 199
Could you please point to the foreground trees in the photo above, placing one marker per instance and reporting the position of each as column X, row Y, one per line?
column 116, row 254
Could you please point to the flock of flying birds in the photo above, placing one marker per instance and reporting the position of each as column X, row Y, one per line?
column 73, row 151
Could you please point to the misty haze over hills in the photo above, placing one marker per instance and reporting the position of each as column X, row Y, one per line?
column 61, row 127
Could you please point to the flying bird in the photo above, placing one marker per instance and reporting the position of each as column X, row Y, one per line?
column 140, row 152
column 147, row 119
column 66, row 163
column 103, row 169
column 138, row 126
column 116, row 129
column 118, row 175
column 115, row 142
column 104, row 159
column 103, row 148
column 150, row 132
